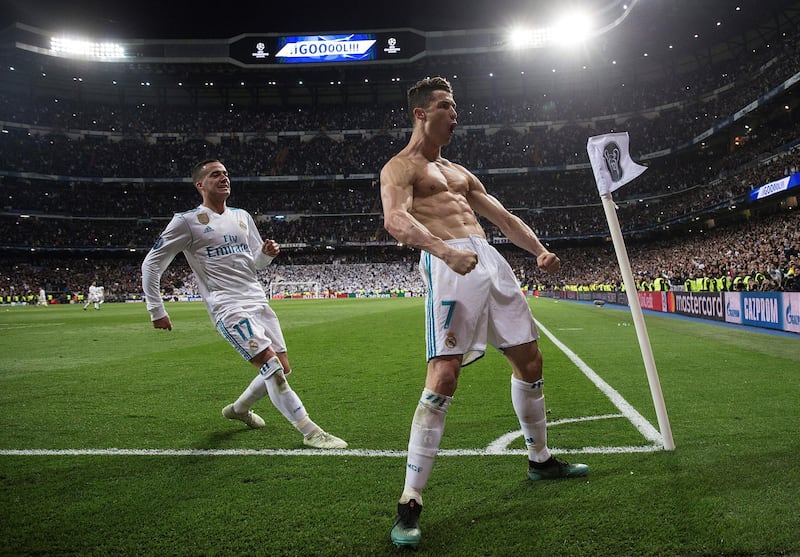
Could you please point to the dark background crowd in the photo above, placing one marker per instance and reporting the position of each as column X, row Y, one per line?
column 85, row 186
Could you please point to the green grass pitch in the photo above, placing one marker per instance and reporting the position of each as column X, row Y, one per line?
column 112, row 442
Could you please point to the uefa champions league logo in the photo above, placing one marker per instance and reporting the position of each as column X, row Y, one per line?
column 260, row 51
column 392, row 47
column 611, row 154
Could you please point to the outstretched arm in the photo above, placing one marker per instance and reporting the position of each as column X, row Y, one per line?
column 171, row 242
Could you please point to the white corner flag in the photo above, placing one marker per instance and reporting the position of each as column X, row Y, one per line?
column 611, row 161
column 613, row 168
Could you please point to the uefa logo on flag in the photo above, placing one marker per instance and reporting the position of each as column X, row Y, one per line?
column 611, row 154
column 611, row 163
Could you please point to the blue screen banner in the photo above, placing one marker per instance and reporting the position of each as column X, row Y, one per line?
column 325, row 48
column 778, row 186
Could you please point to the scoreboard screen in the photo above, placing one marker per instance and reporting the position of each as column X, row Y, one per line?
column 327, row 48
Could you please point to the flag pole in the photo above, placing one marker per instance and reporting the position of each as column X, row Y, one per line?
column 638, row 320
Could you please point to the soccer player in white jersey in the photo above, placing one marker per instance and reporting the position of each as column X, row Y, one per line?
column 94, row 296
column 473, row 297
column 42, row 298
column 224, row 250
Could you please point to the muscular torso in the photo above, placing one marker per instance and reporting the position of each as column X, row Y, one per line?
column 440, row 200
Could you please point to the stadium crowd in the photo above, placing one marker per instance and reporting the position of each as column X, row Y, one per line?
column 324, row 201
column 693, row 100
column 762, row 255
column 126, row 216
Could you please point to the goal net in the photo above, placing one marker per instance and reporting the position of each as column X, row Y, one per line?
column 281, row 289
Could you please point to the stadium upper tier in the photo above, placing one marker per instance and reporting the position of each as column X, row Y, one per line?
column 661, row 113
column 626, row 42
column 75, row 159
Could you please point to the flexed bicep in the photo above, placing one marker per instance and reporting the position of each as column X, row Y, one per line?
column 397, row 197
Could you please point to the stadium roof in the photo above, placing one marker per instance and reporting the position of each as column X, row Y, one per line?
column 173, row 43
column 150, row 19
column 184, row 20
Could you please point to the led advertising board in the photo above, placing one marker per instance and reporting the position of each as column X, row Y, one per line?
column 327, row 49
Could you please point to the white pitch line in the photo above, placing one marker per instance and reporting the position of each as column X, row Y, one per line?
column 639, row 422
column 499, row 445
column 33, row 326
column 308, row 452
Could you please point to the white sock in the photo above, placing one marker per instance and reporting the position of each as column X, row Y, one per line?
column 254, row 392
column 427, row 428
column 528, row 402
column 288, row 403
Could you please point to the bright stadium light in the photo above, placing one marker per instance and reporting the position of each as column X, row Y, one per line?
column 529, row 38
column 84, row 48
column 572, row 29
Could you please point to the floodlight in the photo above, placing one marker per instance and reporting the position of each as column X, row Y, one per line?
column 572, row 28
column 529, row 38
column 85, row 48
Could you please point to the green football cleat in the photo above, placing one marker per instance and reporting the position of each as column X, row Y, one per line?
column 553, row 469
column 406, row 532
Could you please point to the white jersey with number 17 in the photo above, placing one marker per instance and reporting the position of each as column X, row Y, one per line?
column 224, row 252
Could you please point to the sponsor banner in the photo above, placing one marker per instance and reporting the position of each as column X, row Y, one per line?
column 762, row 309
column 655, row 301
column 791, row 311
column 545, row 293
column 707, row 305
column 610, row 297
column 733, row 307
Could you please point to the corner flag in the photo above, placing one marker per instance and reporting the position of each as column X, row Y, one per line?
column 613, row 168
column 611, row 162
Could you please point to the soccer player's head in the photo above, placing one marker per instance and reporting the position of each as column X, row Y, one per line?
column 421, row 93
column 212, row 182
column 199, row 170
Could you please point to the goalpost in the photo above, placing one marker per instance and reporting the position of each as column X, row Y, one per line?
column 281, row 289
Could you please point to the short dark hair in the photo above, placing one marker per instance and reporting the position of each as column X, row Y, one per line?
column 420, row 93
column 197, row 169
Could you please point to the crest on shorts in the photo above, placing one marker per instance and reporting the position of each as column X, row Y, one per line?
column 253, row 346
column 202, row 218
column 450, row 340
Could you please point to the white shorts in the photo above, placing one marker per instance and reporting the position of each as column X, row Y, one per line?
column 251, row 329
column 465, row 312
